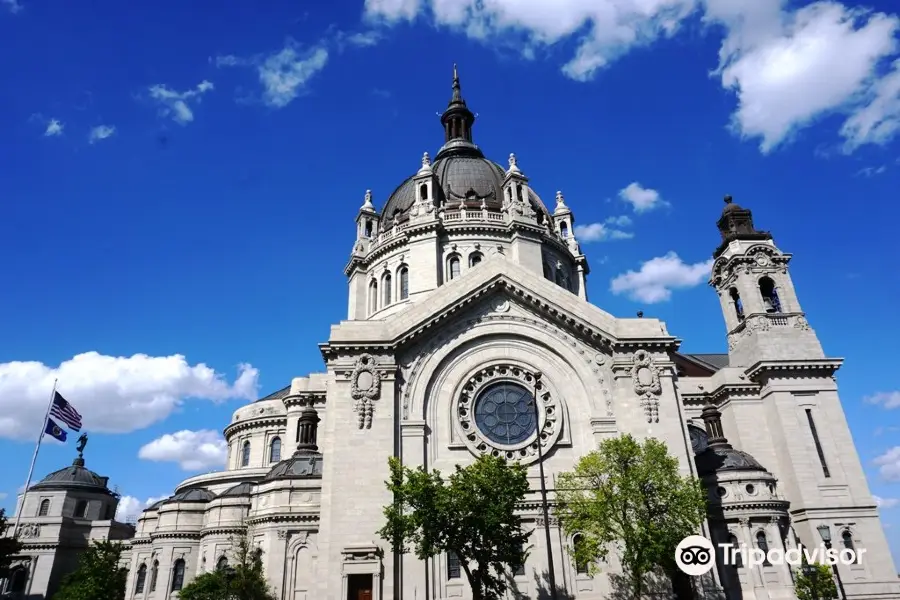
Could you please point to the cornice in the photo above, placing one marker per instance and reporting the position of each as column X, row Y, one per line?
column 304, row 398
column 223, row 530
column 173, row 535
column 284, row 518
column 253, row 423
column 822, row 366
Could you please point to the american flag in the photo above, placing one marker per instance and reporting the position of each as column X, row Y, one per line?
column 65, row 412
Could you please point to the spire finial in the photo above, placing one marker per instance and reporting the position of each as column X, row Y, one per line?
column 728, row 199
column 368, row 202
column 513, row 164
column 426, row 164
column 560, row 201
column 457, row 93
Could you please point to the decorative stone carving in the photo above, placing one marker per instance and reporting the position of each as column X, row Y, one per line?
column 699, row 439
column 540, row 523
column 30, row 530
column 645, row 378
column 549, row 424
column 365, row 388
column 501, row 305
column 589, row 353
column 282, row 534
column 801, row 323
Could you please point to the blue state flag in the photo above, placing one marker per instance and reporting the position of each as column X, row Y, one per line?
column 52, row 429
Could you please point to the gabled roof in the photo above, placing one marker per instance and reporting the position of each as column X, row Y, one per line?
column 493, row 276
column 700, row 365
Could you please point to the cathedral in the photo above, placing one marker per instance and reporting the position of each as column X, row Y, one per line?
column 467, row 306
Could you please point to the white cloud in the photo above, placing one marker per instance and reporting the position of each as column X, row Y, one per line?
column 362, row 39
column 284, row 74
column 54, row 128
column 600, row 232
column 101, row 132
column 889, row 464
column 604, row 29
column 790, row 68
column 886, row 399
column 878, row 122
column 886, row 503
column 176, row 104
column 12, row 5
column 641, row 199
column 114, row 394
column 192, row 450
column 658, row 277
column 3, row 495
column 871, row 171
column 130, row 508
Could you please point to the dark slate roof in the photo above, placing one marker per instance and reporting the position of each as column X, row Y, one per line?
column 238, row 491
column 191, row 495
column 75, row 477
column 716, row 361
column 460, row 172
column 302, row 465
column 277, row 395
column 156, row 505
column 717, row 459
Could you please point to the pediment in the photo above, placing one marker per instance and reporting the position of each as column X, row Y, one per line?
column 495, row 281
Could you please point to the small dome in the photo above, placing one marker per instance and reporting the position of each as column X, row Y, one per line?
column 730, row 206
column 301, row 465
column 238, row 491
column 725, row 458
column 75, row 477
column 191, row 495
column 279, row 395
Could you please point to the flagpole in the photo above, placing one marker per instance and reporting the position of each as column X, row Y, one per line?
column 37, row 448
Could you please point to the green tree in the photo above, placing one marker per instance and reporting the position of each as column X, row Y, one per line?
column 815, row 582
column 631, row 496
column 9, row 546
column 471, row 514
column 99, row 575
column 244, row 579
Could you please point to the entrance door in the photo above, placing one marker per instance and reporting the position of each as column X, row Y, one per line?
column 359, row 587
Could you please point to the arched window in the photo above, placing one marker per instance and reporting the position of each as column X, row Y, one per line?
column 508, row 194
column 580, row 566
column 44, row 508
column 564, row 229
column 519, row 192
column 222, row 564
column 769, row 295
column 386, row 283
column 245, row 454
column 423, row 191
column 474, row 258
column 763, row 544
column 373, row 297
column 154, row 572
column 733, row 541
column 81, row 508
column 403, row 274
column 548, row 272
column 178, row 575
column 367, row 231
column 141, row 578
column 519, row 570
column 453, row 568
column 275, row 450
column 453, row 266
column 847, row 539
column 738, row 305
column 18, row 580
column 257, row 556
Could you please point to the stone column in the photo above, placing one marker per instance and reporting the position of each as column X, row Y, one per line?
column 746, row 537
column 413, row 572
column 774, row 531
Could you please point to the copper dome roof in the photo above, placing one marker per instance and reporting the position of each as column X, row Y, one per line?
column 74, row 477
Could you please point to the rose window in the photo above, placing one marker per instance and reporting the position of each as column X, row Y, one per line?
column 504, row 413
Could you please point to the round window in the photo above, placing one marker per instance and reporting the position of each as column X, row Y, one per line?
column 505, row 414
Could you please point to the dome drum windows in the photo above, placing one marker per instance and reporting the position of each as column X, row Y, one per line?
column 245, row 454
column 386, row 290
column 403, row 276
column 475, row 259
column 44, row 509
column 453, row 267
column 373, row 297
column 495, row 413
column 275, row 450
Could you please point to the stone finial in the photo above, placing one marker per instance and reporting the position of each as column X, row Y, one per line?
column 560, row 203
column 513, row 164
column 426, row 164
column 368, row 202
column 728, row 199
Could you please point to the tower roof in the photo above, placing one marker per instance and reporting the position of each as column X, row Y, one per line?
column 736, row 223
column 74, row 477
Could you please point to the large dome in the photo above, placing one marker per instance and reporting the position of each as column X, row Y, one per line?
column 464, row 176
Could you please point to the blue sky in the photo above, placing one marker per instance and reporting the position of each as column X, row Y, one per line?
column 179, row 188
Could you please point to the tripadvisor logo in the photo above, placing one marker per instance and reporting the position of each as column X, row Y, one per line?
column 696, row 555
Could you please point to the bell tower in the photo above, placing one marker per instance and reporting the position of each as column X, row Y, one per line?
column 763, row 316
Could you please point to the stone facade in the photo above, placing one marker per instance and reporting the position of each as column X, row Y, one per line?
column 461, row 290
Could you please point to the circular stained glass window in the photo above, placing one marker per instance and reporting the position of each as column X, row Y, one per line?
column 505, row 414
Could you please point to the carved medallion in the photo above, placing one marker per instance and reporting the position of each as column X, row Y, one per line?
column 365, row 388
column 645, row 378
column 30, row 530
